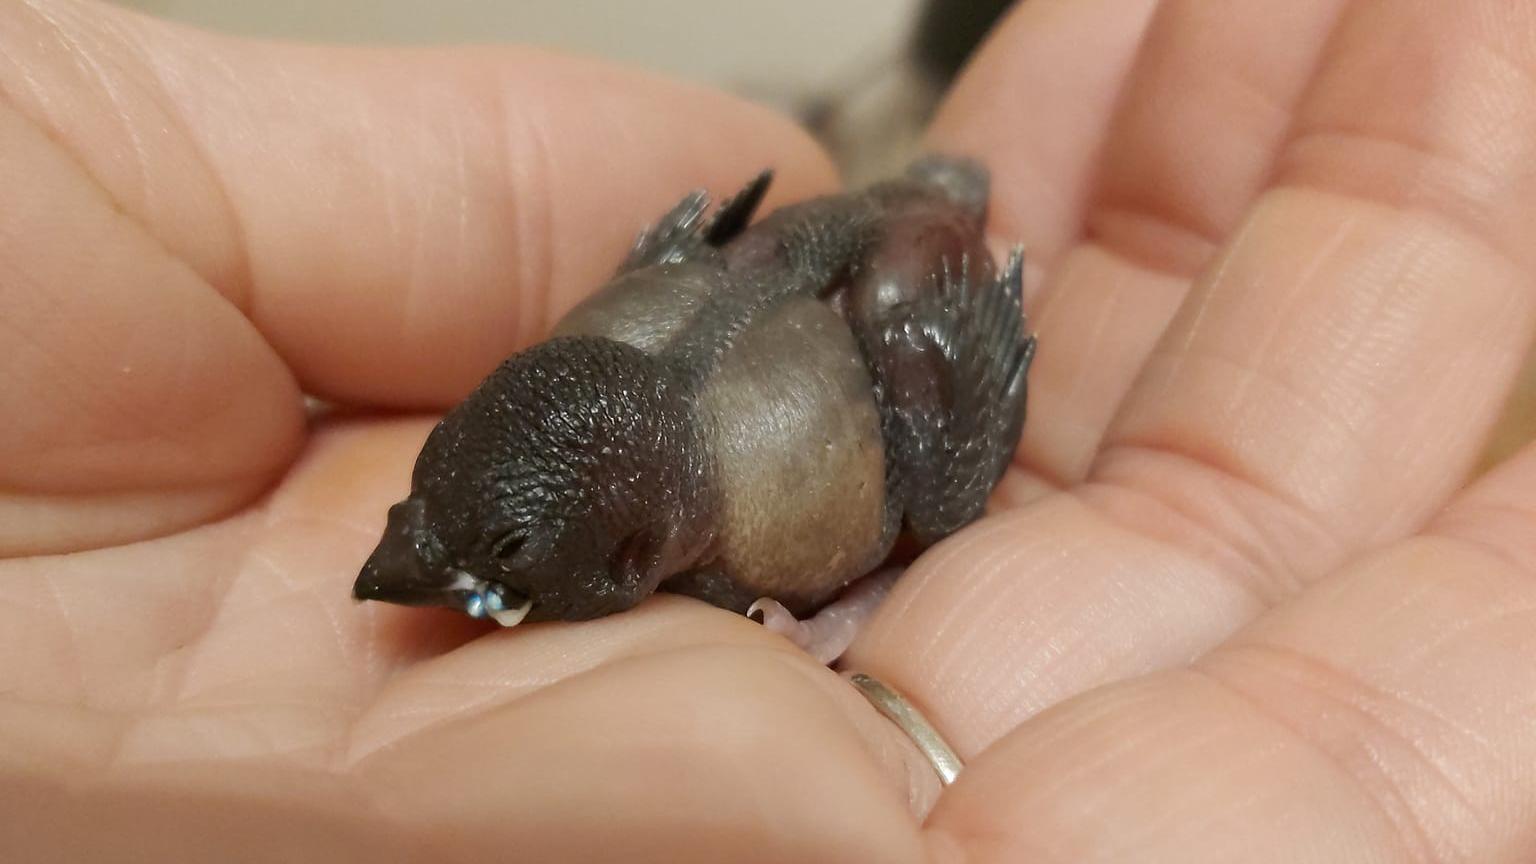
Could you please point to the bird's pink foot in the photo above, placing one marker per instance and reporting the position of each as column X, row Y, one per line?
column 828, row 633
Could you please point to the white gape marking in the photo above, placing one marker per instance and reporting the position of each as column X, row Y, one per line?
column 513, row 617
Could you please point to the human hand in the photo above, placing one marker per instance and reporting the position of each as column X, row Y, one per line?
column 194, row 230
column 1288, row 266
column 1368, row 302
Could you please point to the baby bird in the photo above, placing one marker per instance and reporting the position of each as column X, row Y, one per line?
column 743, row 413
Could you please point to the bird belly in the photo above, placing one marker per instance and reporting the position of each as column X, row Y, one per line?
column 799, row 458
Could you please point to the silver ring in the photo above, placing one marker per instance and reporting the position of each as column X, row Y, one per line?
column 898, row 710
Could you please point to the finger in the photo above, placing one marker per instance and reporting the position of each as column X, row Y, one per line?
column 1325, row 390
column 738, row 758
column 390, row 223
column 1336, row 377
column 1385, row 714
column 1036, row 105
column 394, row 221
column 1126, row 198
column 135, row 398
column 702, row 756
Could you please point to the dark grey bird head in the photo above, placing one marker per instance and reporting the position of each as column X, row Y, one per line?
column 554, row 492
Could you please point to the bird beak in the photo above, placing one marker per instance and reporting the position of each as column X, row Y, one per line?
column 395, row 573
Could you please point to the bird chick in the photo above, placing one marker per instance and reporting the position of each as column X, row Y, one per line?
column 742, row 414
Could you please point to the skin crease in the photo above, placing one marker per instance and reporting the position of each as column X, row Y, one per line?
column 1284, row 265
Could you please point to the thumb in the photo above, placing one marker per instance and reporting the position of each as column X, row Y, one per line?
column 202, row 228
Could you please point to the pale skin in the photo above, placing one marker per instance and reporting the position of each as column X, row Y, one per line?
column 1241, row 598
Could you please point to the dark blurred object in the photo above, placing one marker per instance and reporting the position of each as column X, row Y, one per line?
column 948, row 31
column 873, row 121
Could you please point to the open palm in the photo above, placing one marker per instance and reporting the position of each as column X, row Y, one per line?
column 1284, row 261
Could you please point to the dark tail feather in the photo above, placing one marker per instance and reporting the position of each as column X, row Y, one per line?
column 735, row 213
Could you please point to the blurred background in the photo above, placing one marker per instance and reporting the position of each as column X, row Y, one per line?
column 863, row 75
